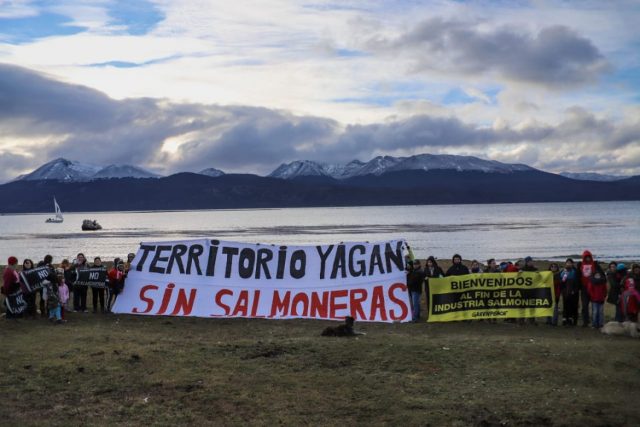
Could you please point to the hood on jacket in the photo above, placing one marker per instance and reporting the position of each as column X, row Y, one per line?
column 456, row 256
column 586, row 254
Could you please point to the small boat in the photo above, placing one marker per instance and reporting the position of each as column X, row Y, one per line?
column 58, row 218
column 90, row 225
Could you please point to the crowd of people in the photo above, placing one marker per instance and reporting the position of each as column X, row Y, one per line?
column 61, row 290
column 583, row 286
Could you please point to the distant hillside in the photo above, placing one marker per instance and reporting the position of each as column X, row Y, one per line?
column 409, row 187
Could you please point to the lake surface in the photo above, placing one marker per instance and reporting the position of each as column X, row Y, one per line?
column 611, row 230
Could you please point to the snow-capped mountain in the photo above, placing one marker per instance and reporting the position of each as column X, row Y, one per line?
column 589, row 176
column 62, row 170
column 383, row 164
column 123, row 171
column 72, row 171
column 213, row 172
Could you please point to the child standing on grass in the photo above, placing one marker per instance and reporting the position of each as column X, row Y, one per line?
column 52, row 298
column 63, row 291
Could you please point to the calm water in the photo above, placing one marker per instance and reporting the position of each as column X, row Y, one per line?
column 543, row 230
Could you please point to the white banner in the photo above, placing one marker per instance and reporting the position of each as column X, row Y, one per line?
column 212, row 278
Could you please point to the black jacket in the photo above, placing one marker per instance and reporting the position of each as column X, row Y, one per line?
column 457, row 270
column 415, row 278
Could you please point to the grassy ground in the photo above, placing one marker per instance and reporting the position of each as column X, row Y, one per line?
column 113, row 369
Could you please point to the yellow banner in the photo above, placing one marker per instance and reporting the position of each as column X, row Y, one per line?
column 491, row 296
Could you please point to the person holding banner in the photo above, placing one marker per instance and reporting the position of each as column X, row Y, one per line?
column 431, row 271
column 79, row 291
column 11, row 285
column 116, row 278
column 46, row 262
column 30, row 297
column 415, row 278
column 557, row 287
column 97, row 293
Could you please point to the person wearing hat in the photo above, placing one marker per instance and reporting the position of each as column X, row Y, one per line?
column 11, row 283
column 615, row 274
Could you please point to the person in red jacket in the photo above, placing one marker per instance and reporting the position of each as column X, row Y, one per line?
column 116, row 276
column 597, row 295
column 587, row 268
column 630, row 296
column 11, row 283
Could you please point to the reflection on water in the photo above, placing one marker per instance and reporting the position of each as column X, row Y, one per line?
column 611, row 230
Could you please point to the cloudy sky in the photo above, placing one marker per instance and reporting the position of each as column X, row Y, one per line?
column 244, row 86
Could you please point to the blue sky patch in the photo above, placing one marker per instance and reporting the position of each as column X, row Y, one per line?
column 23, row 30
column 139, row 17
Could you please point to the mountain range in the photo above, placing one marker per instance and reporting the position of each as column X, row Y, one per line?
column 62, row 169
column 415, row 180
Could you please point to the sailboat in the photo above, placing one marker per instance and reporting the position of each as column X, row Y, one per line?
column 58, row 218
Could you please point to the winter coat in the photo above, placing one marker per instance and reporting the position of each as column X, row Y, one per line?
column 415, row 278
column 614, row 279
column 11, row 281
column 63, row 291
column 570, row 282
column 116, row 280
column 587, row 269
column 598, row 288
column 557, row 285
column 630, row 296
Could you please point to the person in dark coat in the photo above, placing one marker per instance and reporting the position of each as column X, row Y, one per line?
column 80, row 292
column 415, row 279
column 615, row 274
column 431, row 270
column 528, row 265
column 457, row 267
column 570, row 288
column 30, row 297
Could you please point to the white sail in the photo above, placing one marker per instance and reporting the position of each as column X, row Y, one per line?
column 58, row 218
column 58, row 211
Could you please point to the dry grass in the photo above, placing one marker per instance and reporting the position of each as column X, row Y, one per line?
column 112, row 369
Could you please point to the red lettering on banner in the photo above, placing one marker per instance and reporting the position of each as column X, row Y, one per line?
column 143, row 297
column 166, row 298
column 256, row 301
column 334, row 305
column 242, row 305
column 280, row 305
column 355, row 303
column 403, row 306
column 319, row 308
column 300, row 298
column 219, row 295
column 377, row 304
column 183, row 304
